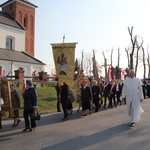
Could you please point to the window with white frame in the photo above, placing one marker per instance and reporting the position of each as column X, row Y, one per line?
column 10, row 43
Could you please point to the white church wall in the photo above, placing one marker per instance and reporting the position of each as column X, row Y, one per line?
column 17, row 34
column 8, row 66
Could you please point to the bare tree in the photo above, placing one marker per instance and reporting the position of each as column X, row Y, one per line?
column 95, row 69
column 148, row 63
column 137, row 56
column 111, row 57
column 87, row 65
column 144, row 65
column 127, row 51
column 133, row 42
column 118, row 57
column 105, row 64
column 82, row 61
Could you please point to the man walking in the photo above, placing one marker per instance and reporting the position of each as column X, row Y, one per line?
column 132, row 90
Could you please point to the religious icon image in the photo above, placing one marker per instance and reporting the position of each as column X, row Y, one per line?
column 62, row 63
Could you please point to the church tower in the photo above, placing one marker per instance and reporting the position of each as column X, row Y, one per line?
column 23, row 12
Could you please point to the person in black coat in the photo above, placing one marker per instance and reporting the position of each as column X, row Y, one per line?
column 118, row 92
column 95, row 94
column 30, row 104
column 57, row 88
column 106, row 94
column 112, row 93
column 64, row 99
column 85, row 98
column 15, row 99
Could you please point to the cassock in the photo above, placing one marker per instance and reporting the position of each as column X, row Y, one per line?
column 132, row 90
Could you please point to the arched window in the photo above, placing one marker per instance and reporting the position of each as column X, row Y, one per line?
column 10, row 43
column 20, row 17
column 25, row 21
column 31, row 25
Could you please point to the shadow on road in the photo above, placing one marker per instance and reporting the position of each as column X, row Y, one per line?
column 85, row 141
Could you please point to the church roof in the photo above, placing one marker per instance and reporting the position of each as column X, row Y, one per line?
column 6, row 19
column 18, row 56
column 24, row 1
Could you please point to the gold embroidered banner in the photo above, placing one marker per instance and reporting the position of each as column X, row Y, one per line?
column 63, row 54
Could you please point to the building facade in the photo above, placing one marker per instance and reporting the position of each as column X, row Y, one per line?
column 17, row 28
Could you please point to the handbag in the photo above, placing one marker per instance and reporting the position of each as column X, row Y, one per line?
column 1, row 101
column 35, row 115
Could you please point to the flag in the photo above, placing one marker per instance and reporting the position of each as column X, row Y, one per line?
column 24, row 87
column 34, row 72
column 9, row 73
column 3, row 72
column 54, row 74
column 110, row 73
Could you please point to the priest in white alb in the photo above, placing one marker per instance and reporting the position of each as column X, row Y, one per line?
column 132, row 91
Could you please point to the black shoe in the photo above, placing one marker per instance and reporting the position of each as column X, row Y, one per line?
column 59, row 111
column 26, row 128
column 71, row 112
column 84, row 115
column 31, row 129
column 132, row 124
column 64, row 119
column 17, row 123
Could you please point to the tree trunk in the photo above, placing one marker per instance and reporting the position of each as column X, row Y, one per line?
column 144, row 73
column 127, row 51
column 118, row 57
column 133, row 41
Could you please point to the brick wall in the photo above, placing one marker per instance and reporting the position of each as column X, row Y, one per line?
column 24, row 13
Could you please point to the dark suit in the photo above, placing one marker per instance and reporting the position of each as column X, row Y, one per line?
column 112, row 95
column 106, row 93
column 64, row 99
column 118, row 93
column 95, row 94
column 85, row 98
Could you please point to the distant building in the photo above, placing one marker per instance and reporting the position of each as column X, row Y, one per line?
column 17, row 30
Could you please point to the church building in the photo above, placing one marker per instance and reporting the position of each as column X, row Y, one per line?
column 17, row 36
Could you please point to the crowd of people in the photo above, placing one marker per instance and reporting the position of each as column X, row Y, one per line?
column 94, row 96
column 30, row 104
column 112, row 94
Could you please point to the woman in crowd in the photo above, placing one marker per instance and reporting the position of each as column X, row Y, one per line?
column 96, row 94
column 30, row 104
column 85, row 98
column 71, row 98
column 64, row 99
column 15, row 99
column 118, row 92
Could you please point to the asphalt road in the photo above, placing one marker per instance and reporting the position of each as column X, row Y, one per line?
column 106, row 130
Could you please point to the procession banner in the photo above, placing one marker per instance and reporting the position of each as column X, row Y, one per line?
column 64, row 54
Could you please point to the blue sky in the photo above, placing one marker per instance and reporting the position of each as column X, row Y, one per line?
column 99, row 25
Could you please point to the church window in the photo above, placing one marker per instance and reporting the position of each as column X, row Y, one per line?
column 20, row 17
column 25, row 21
column 10, row 43
column 31, row 25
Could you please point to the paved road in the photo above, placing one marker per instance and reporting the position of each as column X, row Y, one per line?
column 105, row 130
